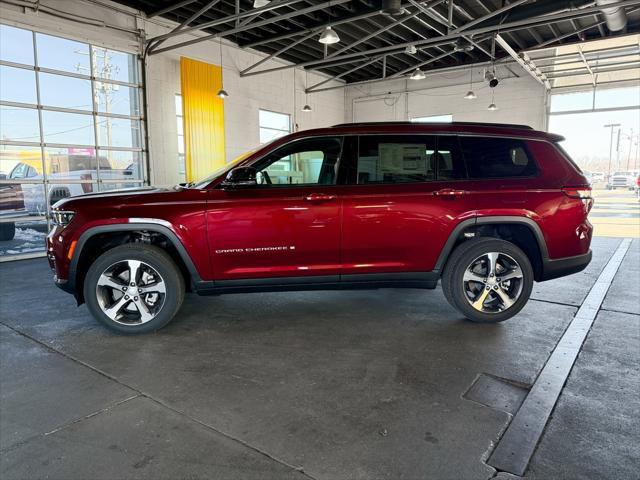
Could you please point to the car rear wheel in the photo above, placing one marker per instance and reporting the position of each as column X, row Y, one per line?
column 488, row 280
column 134, row 288
column 7, row 231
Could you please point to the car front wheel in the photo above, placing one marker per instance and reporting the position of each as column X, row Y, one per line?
column 488, row 280
column 134, row 288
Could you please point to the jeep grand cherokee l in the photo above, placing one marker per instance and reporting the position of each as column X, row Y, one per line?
column 486, row 209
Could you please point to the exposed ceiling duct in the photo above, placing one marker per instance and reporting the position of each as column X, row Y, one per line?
column 615, row 17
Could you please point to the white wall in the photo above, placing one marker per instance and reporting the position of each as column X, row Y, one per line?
column 519, row 99
column 274, row 91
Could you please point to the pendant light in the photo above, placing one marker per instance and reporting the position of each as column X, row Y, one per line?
column 470, row 94
column 261, row 3
column 307, row 107
column 417, row 74
column 492, row 107
column 222, row 93
column 329, row 35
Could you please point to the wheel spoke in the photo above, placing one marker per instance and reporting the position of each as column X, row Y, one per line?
column 478, row 303
column 157, row 287
column 470, row 276
column 143, row 309
column 134, row 267
column 516, row 272
column 506, row 300
column 106, row 281
column 493, row 262
column 113, row 310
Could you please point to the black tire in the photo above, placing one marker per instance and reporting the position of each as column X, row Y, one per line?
column 7, row 231
column 463, row 256
column 154, row 257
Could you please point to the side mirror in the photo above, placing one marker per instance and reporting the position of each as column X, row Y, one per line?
column 241, row 177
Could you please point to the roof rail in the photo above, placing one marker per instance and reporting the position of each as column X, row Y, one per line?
column 472, row 124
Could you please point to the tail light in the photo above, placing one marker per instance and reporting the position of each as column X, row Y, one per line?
column 86, row 187
column 582, row 193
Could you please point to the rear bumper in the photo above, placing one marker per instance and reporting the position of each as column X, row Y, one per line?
column 565, row 266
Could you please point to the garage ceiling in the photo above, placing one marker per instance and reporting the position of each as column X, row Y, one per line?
column 373, row 44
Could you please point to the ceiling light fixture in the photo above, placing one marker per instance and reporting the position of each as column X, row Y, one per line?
column 411, row 50
column 417, row 74
column 261, row 3
column 492, row 107
column 471, row 94
column 307, row 107
column 222, row 93
column 329, row 36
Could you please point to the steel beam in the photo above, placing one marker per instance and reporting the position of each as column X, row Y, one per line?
column 461, row 31
column 170, row 8
column 347, row 72
column 525, row 62
column 261, row 23
column 586, row 64
column 279, row 52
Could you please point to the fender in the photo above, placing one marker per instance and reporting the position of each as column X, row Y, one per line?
column 148, row 225
column 460, row 227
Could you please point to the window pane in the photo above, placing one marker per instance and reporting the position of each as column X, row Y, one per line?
column 28, row 236
column 117, row 165
column 396, row 159
column 179, row 105
column 118, row 132
column 19, row 124
column 433, row 119
column 496, row 158
column 114, row 65
column 16, row 45
column 68, row 128
column 565, row 102
column 449, row 161
column 267, row 135
column 278, row 121
column 17, row 85
column 312, row 161
column 62, row 54
column 66, row 92
column 19, row 162
column 75, row 163
column 113, row 98
column 618, row 97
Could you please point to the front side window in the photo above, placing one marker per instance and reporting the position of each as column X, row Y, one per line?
column 496, row 158
column 396, row 159
column 306, row 162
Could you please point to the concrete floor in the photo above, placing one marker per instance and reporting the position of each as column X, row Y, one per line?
column 362, row 384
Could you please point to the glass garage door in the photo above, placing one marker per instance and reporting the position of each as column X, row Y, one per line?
column 70, row 123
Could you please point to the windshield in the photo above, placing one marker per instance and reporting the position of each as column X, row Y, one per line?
column 205, row 181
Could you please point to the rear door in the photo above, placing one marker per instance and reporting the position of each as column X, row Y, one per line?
column 286, row 226
column 406, row 196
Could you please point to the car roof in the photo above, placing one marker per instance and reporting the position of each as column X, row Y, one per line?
column 472, row 128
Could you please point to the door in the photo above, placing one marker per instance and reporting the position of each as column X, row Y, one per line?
column 407, row 196
column 286, row 226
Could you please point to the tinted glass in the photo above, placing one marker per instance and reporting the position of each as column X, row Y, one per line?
column 396, row 159
column 450, row 161
column 313, row 161
column 496, row 157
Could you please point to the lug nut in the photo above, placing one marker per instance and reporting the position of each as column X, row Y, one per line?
column 133, row 284
column 139, row 290
column 135, row 299
column 495, row 287
column 126, row 297
column 124, row 289
column 488, row 287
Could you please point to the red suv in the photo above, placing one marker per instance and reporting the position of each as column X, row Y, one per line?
column 486, row 208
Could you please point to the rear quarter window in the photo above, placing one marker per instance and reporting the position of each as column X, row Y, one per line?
column 497, row 158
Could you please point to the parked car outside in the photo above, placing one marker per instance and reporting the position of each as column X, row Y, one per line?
column 486, row 209
column 73, row 175
column 637, row 187
column 11, row 200
column 622, row 180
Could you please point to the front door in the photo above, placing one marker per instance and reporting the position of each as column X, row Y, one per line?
column 286, row 226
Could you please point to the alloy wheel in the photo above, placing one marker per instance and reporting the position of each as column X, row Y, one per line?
column 131, row 292
column 493, row 282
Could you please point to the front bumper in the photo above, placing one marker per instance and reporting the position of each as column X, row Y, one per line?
column 564, row 266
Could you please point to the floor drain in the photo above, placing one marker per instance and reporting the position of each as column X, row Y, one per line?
column 496, row 393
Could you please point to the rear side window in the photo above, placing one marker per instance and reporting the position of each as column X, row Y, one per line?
column 396, row 159
column 497, row 158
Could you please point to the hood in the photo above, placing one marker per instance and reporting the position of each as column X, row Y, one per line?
column 114, row 195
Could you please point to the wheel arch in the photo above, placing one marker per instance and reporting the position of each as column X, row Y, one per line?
column 96, row 240
column 532, row 243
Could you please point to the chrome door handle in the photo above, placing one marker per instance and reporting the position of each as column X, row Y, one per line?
column 319, row 197
column 449, row 192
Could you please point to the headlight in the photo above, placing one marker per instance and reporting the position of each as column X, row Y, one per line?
column 62, row 217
